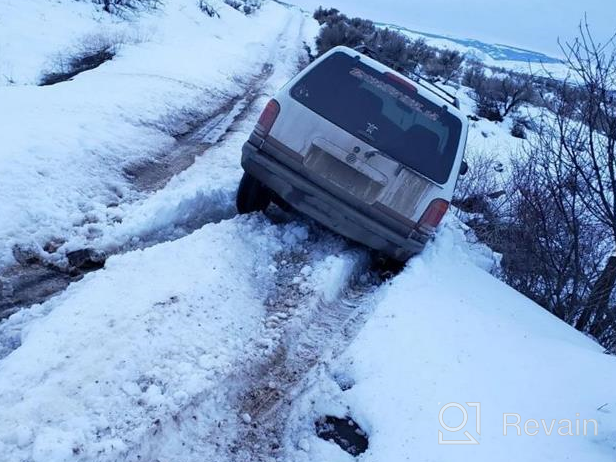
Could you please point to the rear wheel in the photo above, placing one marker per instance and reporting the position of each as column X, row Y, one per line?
column 252, row 195
column 280, row 202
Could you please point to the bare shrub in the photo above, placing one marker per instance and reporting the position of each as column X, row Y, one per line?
column 323, row 15
column 391, row 49
column 387, row 46
column 518, row 130
column 584, row 137
column 208, row 9
column 480, row 191
column 558, row 232
column 487, row 106
column 445, row 64
column 419, row 53
column 244, row 6
column 118, row 6
column 555, row 242
column 343, row 31
column 474, row 75
column 498, row 97
column 92, row 51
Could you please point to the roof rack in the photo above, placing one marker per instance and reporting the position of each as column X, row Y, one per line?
column 433, row 88
column 415, row 77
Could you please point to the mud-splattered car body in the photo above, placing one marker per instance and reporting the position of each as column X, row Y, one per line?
column 364, row 150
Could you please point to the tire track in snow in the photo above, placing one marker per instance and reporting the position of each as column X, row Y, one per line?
column 204, row 133
column 329, row 327
column 304, row 325
column 317, row 304
column 36, row 278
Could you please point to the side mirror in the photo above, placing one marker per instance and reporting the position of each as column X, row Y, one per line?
column 463, row 168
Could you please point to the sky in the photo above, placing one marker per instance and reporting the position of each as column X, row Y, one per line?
column 530, row 24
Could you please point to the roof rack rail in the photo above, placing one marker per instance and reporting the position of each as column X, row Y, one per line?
column 433, row 86
column 415, row 77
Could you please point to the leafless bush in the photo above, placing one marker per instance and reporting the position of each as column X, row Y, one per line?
column 419, row 53
column 518, row 129
column 497, row 97
column 584, row 137
column 92, row 51
column 391, row 48
column 534, row 217
column 557, row 232
column 208, row 9
column 446, row 64
column 555, row 242
column 323, row 15
column 245, row 6
column 118, row 6
column 388, row 46
column 474, row 75
column 480, row 196
column 340, row 30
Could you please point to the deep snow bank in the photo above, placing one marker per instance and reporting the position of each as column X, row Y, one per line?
column 127, row 348
column 447, row 331
column 65, row 147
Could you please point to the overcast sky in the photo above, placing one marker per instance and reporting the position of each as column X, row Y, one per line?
column 533, row 24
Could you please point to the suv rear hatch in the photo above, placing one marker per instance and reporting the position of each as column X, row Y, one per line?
column 376, row 137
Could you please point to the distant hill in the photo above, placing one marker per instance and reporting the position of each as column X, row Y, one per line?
column 496, row 52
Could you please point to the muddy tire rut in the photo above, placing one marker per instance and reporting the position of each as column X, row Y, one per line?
column 202, row 133
column 325, row 332
column 35, row 279
column 301, row 328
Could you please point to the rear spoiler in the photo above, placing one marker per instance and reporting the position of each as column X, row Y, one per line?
column 415, row 77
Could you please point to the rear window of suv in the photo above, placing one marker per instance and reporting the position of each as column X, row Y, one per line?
column 384, row 112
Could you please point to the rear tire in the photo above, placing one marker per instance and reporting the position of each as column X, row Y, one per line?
column 252, row 195
column 280, row 202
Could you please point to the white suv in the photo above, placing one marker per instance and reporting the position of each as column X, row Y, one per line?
column 366, row 151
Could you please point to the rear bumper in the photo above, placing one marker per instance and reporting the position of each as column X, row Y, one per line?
column 289, row 182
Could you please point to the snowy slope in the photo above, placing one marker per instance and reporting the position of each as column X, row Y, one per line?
column 30, row 38
column 492, row 55
column 134, row 344
column 446, row 331
column 66, row 147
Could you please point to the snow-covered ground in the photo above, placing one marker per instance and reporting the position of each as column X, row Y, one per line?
column 66, row 147
column 445, row 331
column 135, row 344
column 30, row 39
column 209, row 336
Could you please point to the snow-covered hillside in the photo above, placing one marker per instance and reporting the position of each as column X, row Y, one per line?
column 67, row 148
column 525, row 24
column 445, row 331
column 492, row 55
column 208, row 336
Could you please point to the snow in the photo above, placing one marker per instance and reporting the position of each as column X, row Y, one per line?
column 154, row 356
column 446, row 331
column 136, row 342
column 65, row 147
column 30, row 39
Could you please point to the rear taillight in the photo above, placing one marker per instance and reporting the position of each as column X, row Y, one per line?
column 434, row 214
column 268, row 117
column 401, row 81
